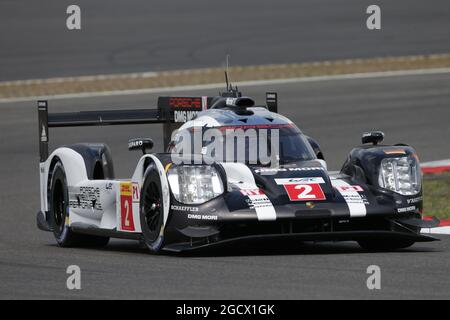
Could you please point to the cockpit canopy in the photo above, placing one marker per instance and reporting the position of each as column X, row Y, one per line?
column 249, row 144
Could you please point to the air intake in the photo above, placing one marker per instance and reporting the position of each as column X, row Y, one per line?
column 234, row 103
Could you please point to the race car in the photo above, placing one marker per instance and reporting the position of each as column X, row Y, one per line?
column 190, row 199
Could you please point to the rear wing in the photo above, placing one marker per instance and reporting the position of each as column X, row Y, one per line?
column 171, row 112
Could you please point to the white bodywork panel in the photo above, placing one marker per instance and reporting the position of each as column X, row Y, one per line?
column 104, row 204
column 73, row 165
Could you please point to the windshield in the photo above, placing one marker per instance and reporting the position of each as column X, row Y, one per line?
column 252, row 145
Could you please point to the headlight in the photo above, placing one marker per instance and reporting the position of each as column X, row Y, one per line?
column 195, row 184
column 401, row 175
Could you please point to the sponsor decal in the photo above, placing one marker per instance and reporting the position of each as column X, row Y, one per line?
column 304, row 192
column 42, row 105
column 351, row 194
column 136, row 192
column 257, row 200
column 135, row 144
column 354, row 188
column 365, row 200
column 184, row 116
column 185, row 108
column 414, row 200
column 310, row 205
column 85, row 198
column 44, row 135
column 126, row 206
column 265, row 170
column 202, row 217
column 231, row 101
column 304, row 180
column 407, row 209
column 184, row 208
column 252, row 192
column 355, row 201
column 188, row 103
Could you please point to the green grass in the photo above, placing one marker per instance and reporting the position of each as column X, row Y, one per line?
column 436, row 189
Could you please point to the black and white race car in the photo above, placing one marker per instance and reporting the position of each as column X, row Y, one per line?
column 189, row 199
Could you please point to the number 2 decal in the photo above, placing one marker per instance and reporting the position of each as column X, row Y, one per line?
column 127, row 214
column 304, row 192
column 126, row 207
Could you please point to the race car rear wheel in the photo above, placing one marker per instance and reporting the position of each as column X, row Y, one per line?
column 152, row 210
column 384, row 245
column 59, row 213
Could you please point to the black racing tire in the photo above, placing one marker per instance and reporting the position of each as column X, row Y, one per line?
column 59, row 213
column 152, row 210
column 384, row 245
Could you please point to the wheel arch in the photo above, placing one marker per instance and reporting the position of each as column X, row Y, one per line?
column 74, row 168
column 97, row 159
column 160, row 165
column 73, row 163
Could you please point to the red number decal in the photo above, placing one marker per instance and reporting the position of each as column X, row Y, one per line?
column 126, row 207
column 304, row 192
column 350, row 188
column 136, row 192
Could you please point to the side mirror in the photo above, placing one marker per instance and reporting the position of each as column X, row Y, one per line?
column 374, row 137
column 143, row 144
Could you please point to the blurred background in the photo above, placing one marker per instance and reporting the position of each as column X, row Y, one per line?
column 138, row 35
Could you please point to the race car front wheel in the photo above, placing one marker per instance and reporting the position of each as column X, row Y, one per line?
column 59, row 213
column 152, row 210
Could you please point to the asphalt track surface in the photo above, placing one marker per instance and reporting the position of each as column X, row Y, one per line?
column 411, row 109
column 139, row 35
